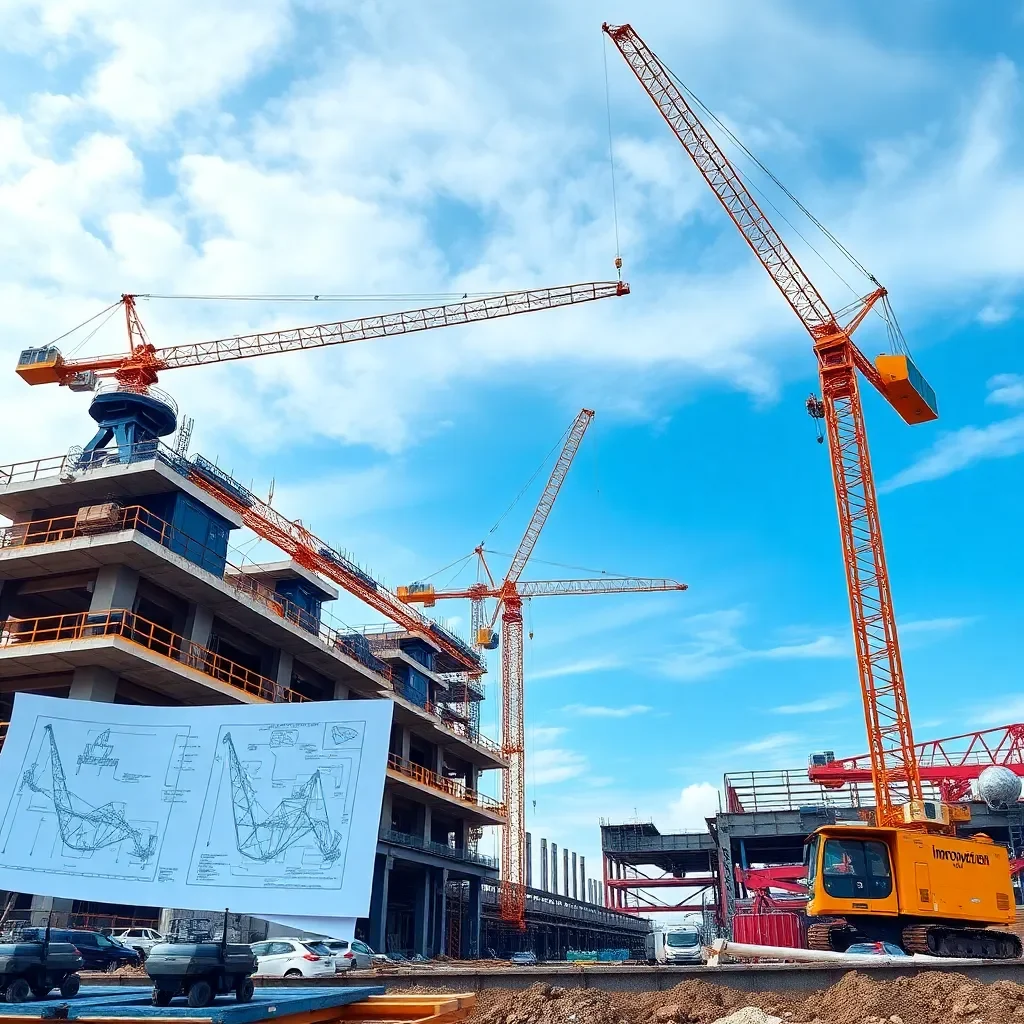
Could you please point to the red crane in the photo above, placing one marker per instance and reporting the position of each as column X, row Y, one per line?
column 950, row 764
column 139, row 369
column 894, row 766
column 509, row 595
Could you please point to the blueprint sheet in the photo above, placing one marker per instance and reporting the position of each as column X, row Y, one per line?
column 271, row 809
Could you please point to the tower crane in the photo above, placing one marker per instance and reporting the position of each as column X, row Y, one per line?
column 133, row 413
column 930, row 909
column 509, row 595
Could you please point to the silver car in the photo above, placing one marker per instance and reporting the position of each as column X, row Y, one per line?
column 348, row 956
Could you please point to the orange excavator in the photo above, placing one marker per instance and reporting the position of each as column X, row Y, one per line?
column 907, row 878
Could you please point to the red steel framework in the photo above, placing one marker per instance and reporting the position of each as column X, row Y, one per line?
column 951, row 763
column 890, row 738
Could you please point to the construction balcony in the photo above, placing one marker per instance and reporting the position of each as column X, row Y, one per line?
column 51, row 646
column 405, row 841
column 136, row 538
column 422, row 784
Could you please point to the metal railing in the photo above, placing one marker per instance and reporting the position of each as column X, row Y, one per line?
column 136, row 518
column 388, row 835
column 788, row 790
column 126, row 625
column 455, row 788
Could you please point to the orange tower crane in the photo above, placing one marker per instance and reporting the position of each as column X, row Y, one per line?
column 890, row 738
column 509, row 595
column 139, row 413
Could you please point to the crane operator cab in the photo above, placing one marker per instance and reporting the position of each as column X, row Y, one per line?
column 935, row 894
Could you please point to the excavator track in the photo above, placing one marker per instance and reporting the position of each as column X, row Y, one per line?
column 952, row 941
column 832, row 935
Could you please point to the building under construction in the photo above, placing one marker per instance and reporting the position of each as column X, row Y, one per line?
column 118, row 583
column 747, row 862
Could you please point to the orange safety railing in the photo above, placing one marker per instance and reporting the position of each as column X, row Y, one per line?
column 454, row 788
column 119, row 622
column 135, row 517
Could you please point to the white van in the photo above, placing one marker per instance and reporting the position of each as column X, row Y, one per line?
column 678, row 944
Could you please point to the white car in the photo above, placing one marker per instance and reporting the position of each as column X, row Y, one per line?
column 347, row 956
column 142, row 940
column 291, row 958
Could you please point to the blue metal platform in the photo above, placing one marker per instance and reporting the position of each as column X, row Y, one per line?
column 102, row 1002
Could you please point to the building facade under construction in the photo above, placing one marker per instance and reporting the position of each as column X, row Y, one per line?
column 119, row 582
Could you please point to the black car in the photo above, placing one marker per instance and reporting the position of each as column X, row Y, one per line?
column 99, row 952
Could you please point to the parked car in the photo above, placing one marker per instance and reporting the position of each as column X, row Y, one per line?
column 348, row 956
column 99, row 952
column 142, row 940
column 527, row 958
column 291, row 958
column 876, row 949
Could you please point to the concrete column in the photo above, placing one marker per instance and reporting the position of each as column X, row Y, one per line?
column 439, row 761
column 544, row 864
column 529, row 861
column 406, row 743
column 427, row 820
column 565, row 873
column 583, row 876
column 91, row 682
column 115, row 587
column 341, row 691
column 575, row 888
column 471, row 941
column 441, row 931
column 199, row 625
column 379, row 902
column 284, row 663
column 385, row 812
column 554, row 868
column 421, row 915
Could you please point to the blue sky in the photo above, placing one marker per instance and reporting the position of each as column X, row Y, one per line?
column 381, row 148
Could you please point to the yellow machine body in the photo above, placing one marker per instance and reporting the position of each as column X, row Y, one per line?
column 889, row 872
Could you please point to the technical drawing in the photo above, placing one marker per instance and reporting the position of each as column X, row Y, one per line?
column 83, row 827
column 263, row 837
column 284, row 738
column 343, row 734
column 98, row 753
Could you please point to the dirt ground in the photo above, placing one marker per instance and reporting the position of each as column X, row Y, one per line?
column 926, row 998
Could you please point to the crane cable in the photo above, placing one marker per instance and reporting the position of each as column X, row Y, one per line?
column 886, row 313
column 611, row 154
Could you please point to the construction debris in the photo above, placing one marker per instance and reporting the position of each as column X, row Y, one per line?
column 928, row 997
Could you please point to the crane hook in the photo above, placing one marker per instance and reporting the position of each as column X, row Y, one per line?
column 816, row 410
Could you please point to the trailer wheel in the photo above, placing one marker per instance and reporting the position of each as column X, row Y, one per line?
column 70, row 985
column 244, row 990
column 19, row 991
column 200, row 993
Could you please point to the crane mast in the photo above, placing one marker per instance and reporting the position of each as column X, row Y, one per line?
column 894, row 765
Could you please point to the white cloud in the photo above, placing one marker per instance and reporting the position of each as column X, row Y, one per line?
column 768, row 744
column 1005, row 711
column 961, row 448
column 584, row 666
column 554, row 764
column 714, row 647
column 1006, row 389
column 811, row 707
column 695, row 803
column 940, row 625
column 600, row 711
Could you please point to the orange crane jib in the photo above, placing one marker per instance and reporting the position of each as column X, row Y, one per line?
column 141, row 366
column 509, row 595
column 895, row 770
